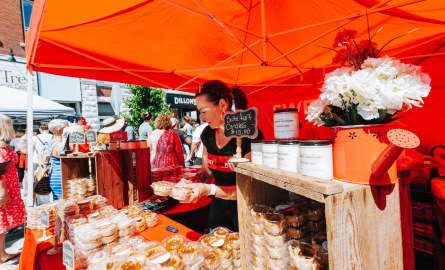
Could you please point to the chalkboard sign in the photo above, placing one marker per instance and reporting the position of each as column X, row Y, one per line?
column 77, row 137
column 241, row 123
column 91, row 136
column 68, row 255
column 44, row 218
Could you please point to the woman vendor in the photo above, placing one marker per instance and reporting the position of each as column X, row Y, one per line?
column 213, row 99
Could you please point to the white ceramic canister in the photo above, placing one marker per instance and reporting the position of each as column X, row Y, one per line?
column 288, row 155
column 316, row 158
column 256, row 147
column 270, row 153
column 286, row 125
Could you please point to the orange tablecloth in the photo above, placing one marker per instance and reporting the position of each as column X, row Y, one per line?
column 34, row 254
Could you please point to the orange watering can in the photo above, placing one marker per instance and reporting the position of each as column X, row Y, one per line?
column 366, row 154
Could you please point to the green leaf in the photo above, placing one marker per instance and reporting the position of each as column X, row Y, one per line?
column 354, row 115
column 382, row 114
column 328, row 122
column 340, row 121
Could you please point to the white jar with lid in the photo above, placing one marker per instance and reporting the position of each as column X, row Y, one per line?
column 256, row 147
column 316, row 158
column 286, row 125
column 288, row 155
column 270, row 153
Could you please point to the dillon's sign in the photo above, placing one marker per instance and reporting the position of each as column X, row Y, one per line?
column 180, row 100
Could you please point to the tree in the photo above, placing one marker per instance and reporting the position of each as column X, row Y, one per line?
column 144, row 99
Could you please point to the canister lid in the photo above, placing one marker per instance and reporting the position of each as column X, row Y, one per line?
column 285, row 110
column 288, row 142
column 256, row 141
column 270, row 142
column 315, row 142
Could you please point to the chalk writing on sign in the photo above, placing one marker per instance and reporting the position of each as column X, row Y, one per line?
column 44, row 218
column 77, row 138
column 91, row 136
column 241, row 123
column 68, row 255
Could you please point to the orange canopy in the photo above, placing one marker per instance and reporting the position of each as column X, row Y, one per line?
column 269, row 48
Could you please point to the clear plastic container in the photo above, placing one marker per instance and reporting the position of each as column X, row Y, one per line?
column 211, row 259
column 276, row 263
column 179, row 193
column 274, row 223
column 126, row 227
column 84, row 205
column 151, row 218
column 132, row 263
column 154, row 250
column 297, row 232
column 316, row 226
column 233, row 240
column 275, row 240
column 87, row 235
column 224, row 251
column 314, row 211
column 221, row 232
column 257, row 239
column 108, row 211
column 98, row 257
column 276, row 252
column 93, row 217
column 134, row 210
column 172, row 263
column 106, row 228
column 196, row 264
column 174, row 243
column 304, row 256
column 162, row 188
column 111, row 263
column 189, row 251
column 139, row 223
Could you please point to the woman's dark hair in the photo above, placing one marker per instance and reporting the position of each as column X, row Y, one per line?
column 217, row 90
column 147, row 115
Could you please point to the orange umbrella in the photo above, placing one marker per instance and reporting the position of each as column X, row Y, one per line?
column 268, row 48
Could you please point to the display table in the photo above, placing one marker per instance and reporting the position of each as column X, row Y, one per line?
column 34, row 253
column 368, row 227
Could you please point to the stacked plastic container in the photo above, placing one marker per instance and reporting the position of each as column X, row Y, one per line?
column 309, row 253
column 81, row 188
column 35, row 215
column 174, row 174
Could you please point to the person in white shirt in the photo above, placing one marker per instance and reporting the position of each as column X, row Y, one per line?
column 41, row 144
column 197, row 145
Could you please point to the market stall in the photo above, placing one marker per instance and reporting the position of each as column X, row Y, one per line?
column 281, row 74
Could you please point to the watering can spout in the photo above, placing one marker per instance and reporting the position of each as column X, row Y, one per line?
column 400, row 139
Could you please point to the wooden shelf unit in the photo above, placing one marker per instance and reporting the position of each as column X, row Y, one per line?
column 368, row 227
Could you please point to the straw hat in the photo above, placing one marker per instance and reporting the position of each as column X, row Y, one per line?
column 112, row 124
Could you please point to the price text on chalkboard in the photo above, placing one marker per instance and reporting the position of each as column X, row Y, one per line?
column 68, row 255
column 44, row 218
column 242, row 123
column 91, row 136
column 77, row 138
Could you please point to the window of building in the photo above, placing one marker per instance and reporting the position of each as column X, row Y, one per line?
column 27, row 10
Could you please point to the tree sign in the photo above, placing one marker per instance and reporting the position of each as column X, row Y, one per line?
column 91, row 136
column 241, row 123
column 44, row 218
column 68, row 255
column 77, row 137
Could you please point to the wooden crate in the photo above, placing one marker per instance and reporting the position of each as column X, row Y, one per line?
column 118, row 178
column 137, row 175
column 367, row 227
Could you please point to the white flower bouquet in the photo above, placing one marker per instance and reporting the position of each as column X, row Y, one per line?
column 370, row 91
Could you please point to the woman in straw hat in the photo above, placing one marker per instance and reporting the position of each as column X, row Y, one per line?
column 166, row 148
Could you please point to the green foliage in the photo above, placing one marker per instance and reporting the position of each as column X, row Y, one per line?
column 144, row 99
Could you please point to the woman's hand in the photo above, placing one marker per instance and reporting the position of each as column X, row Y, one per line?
column 198, row 190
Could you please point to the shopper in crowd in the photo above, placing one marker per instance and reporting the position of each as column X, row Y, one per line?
column 187, row 129
column 166, row 147
column 40, row 142
column 14, row 143
column 185, row 140
column 12, row 208
column 145, row 129
column 197, row 145
column 131, row 136
column 213, row 99
column 195, row 124
column 55, row 145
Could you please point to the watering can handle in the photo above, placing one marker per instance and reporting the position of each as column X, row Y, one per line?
column 400, row 139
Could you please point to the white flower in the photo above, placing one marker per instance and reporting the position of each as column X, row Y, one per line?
column 315, row 110
column 382, row 83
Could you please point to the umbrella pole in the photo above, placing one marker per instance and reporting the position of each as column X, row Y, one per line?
column 30, row 152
